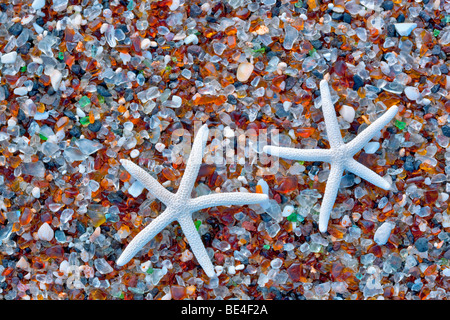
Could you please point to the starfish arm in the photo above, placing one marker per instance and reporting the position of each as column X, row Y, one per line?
column 194, row 162
column 360, row 170
column 227, row 199
column 329, row 114
column 148, row 181
column 299, row 154
column 367, row 134
column 329, row 197
column 196, row 244
column 147, row 234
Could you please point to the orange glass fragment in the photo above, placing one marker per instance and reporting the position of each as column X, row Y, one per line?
column 297, row 272
column 169, row 174
column 203, row 100
column 312, row 4
column 190, row 290
column 11, row 79
column 69, row 34
column 16, row 227
column 91, row 117
column 431, row 196
column 389, row 99
column 304, row 132
column 95, row 24
column 79, row 47
column 14, row 161
column 231, row 40
column 56, row 252
column 376, row 250
column 44, row 79
column 231, row 31
column 287, row 184
column 61, row 123
column 124, row 176
column 97, row 294
column 243, row 13
column 278, row 83
column 259, row 189
column 178, row 292
column 69, row 59
column 278, row 245
column 431, row 270
column 208, row 70
column 337, row 231
column 136, row 44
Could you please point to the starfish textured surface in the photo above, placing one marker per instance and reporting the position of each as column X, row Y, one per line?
column 180, row 206
column 340, row 155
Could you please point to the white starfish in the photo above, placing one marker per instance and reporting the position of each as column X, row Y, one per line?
column 340, row 155
column 180, row 206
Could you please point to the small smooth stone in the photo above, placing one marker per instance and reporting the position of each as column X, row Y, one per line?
column 186, row 255
column 412, row 93
column 95, row 127
column 103, row 91
column 45, row 232
column 145, row 44
column 348, row 113
column 55, row 78
column 240, row 267
column 244, row 71
column 231, row 270
column 20, row 91
column 446, row 130
column 136, row 189
column 93, row 185
column 228, row 132
column 218, row 269
column 134, row 153
column 175, row 4
column 192, row 38
column 145, row 266
column 186, row 73
column 36, row 192
column 421, row 244
column 346, row 221
column 387, row 5
column 176, row 102
column 75, row 132
column 404, row 29
column 9, row 57
column 287, row 211
column 22, row 263
column 64, row 267
column 38, row 28
column 15, row 29
column 38, row 4
column 382, row 234
column 160, row 146
column 371, row 147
